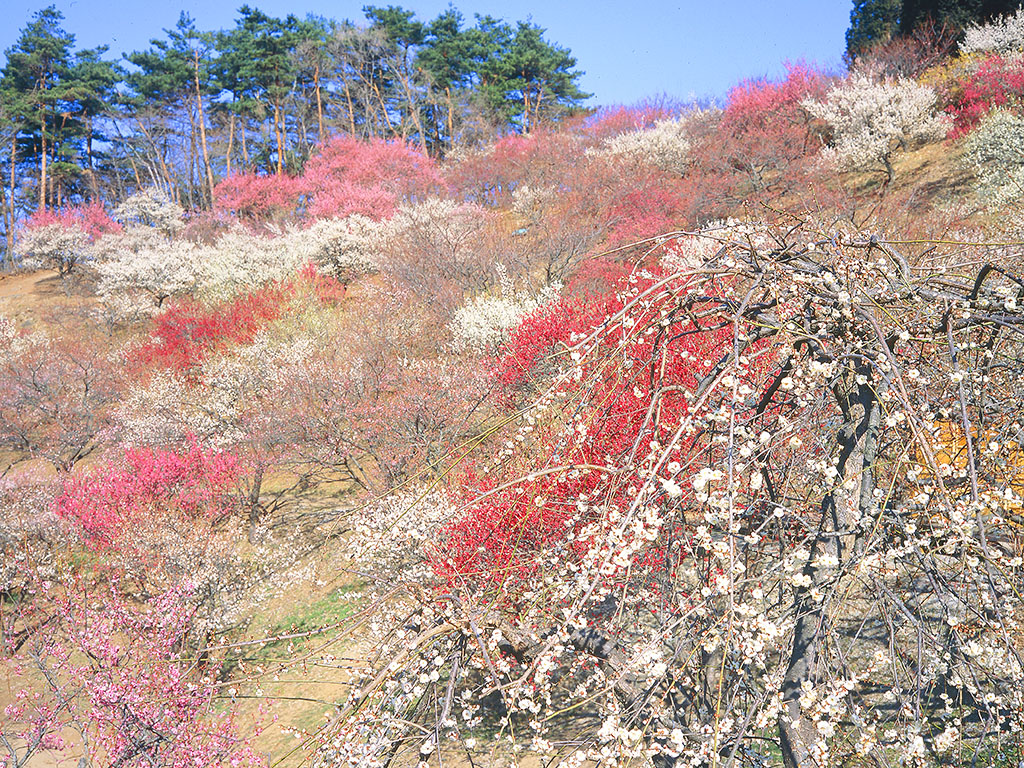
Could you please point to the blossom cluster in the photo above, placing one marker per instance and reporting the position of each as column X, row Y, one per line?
column 665, row 145
column 1004, row 34
column 869, row 117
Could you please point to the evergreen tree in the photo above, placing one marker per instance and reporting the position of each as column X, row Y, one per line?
column 175, row 76
column 269, row 69
column 93, row 84
column 445, row 62
column 521, row 77
column 35, row 84
column 877, row 21
column 871, row 21
column 953, row 14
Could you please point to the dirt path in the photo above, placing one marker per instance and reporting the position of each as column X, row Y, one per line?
column 22, row 284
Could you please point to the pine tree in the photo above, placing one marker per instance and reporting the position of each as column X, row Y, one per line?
column 35, row 83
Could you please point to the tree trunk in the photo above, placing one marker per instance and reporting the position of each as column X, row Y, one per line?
column 231, row 142
column 202, row 126
column 526, row 107
column 839, row 511
column 451, row 116
column 164, row 171
column 245, row 144
column 277, row 136
column 193, row 153
column 42, row 165
column 93, row 186
column 11, row 238
column 8, row 259
column 254, row 503
column 351, row 110
column 319, row 103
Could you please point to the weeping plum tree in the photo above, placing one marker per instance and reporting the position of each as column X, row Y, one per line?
column 761, row 505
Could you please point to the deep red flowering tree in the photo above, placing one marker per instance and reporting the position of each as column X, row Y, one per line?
column 997, row 83
column 189, row 331
column 113, row 505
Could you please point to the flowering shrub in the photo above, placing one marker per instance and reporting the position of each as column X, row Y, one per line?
column 664, row 146
column 345, row 248
column 871, row 119
column 540, row 159
column 371, row 178
column 764, row 133
column 60, row 239
column 121, row 677
column 649, row 209
column 54, row 390
column 995, row 152
column 189, row 330
column 53, row 246
column 345, row 177
column 143, row 272
column 512, row 534
column 608, row 122
column 255, row 197
column 482, row 323
column 112, row 505
column 996, row 83
column 753, row 104
column 439, row 249
column 92, row 219
column 543, row 332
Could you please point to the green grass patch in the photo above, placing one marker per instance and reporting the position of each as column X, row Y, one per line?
column 332, row 608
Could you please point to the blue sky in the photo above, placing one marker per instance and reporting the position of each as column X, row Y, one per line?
column 629, row 50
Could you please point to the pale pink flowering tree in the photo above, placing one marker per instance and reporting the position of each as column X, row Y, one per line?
column 121, row 678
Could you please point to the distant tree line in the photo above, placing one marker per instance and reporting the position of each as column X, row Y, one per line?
column 877, row 21
column 196, row 106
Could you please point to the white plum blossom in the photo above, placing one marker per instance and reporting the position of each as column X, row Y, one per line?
column 995, row 152
column 1004, row 34
column 871, row 118
column 483, row 322
column 53, row 246
column 151, row 208
column 666, row 145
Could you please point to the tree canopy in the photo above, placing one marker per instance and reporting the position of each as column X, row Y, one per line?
column 198, row 105
column 877, row 21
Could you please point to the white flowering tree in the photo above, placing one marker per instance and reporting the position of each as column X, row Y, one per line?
column 140, row 269
column 764, row 508
column 665, row 145
column 57, row 246
column 345, row 248
column 1002, row 35
column 871, row 119
column 995, row 152
column 483, row 322
column 151, row 207
column 140, row 279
